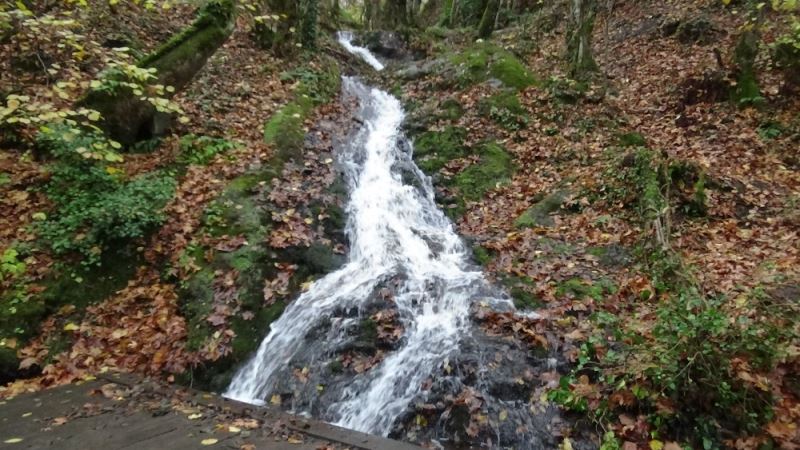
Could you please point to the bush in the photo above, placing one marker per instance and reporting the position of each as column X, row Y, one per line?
column 94, row 204
column 202, row 149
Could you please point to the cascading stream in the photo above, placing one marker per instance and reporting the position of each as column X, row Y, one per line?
column 396, row 232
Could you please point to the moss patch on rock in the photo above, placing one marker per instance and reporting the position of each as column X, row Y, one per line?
column 539, row 214
column 494, row 168
column 433, row 149
column 484, row 61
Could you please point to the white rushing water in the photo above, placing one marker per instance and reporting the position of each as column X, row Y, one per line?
column 396, row 232
column 346, row 40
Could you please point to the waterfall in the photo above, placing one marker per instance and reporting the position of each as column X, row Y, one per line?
column 397, row 234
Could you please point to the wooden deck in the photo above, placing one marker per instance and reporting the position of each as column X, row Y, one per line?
column 122, row 412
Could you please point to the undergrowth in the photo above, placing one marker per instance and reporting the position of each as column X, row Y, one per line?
column 694, row 364
column 94, row 203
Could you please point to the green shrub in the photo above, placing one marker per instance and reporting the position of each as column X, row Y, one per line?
column 201, row 150
column 95, row 205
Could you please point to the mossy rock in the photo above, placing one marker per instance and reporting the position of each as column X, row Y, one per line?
column 495, row 167
column 539, row 214
column 126, row 117
column 484, row 61
column 433, row 149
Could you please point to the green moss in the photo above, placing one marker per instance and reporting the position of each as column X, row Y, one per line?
column 482, row 255
column 510, row 70
column 285, row 130
column 518, row 288
column 579, row 288
column 367, row 334
column 213, row 21
column 451, row 109
column 632, row 139
column 483, row 61
column 80, row 286
column 505, row 109
column 433, row 149
column 495, row 167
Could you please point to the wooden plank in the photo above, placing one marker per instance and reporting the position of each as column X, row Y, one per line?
column 126, row 425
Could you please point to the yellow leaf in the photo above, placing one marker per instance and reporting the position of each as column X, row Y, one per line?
column 275, row 400
column 656, row 445
column 13, row 440
column 195, row 416
column 209, row 441
column 71, row 327
column 233, row 429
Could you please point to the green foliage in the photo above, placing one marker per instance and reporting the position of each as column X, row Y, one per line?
column 201, row 150
column 579, row 289
column 691, row 358
column 319, row 85
column 10, row 266
column 631, row 139
column 94, row 205
column 770, row 130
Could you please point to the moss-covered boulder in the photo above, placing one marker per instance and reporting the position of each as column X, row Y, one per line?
column 485, row 61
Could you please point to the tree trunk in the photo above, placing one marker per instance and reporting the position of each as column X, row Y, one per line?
column 308, row 29
column 579, row 38
column 744, row 56
column 128, row 119
column 488, row 20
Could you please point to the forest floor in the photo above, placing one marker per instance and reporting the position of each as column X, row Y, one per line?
column 567, row 222
column 598, row 167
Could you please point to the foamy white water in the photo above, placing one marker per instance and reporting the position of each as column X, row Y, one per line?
column 396, row 232
column 346, row 40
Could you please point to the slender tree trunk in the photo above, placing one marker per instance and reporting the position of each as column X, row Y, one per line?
column 308, row 24
column 579, row 38
column 486, row 26
column 744, row 56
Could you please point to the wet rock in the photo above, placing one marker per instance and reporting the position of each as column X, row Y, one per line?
column 387, row 44
column 490, row 392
